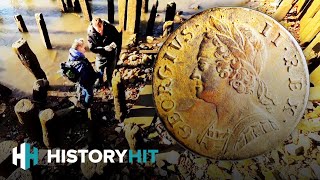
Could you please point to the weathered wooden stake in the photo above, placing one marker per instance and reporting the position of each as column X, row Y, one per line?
column 76, row 6
column 86, row 11
column 28, row 117
column 167, row 28
column 40, row 90
column 20, row 23
column 283, row 9
column 49, row 128
column 28, row 58
column 152, row 18
column 69, row 4
column 111, row 11
column 43, row 30
column 119, row 96
column 133, row 16
column 122, row 12
column 170, row 11
column 62, row 5
column 313, row 49
column 144, row 6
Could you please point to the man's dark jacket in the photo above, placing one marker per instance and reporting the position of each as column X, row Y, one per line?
column 96, row 42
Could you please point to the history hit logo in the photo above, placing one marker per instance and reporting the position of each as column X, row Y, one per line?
column 25, row 156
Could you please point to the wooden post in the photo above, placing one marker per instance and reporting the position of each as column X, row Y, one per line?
column 313, row 49
column 62, row 5
column 49, row 128
column 28, row 58
column 133, row 16
column 170, row 11
column 152, row 18
column 111, row 11
column 310, row 12
column 76, row 6
column 40, row 90
column 43, row 30
column 283, row 9
column 122, row 11
column 119, row 99
column 20, row 23
column 144, row 6
column 167, row 28
column 86, row 11
column 28, row 117
column 69, row 4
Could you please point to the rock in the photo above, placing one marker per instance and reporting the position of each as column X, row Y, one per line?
column 305, row 173
column 235, row 174
column 163, row 172
column 171, row 168
column 314, row 136
column 133, row 57
column 174, row 177
column 194, row 6
column 171, row 157
column 145, row 58
column 3, row 107
column 214, row 172
column 6, row 149
column 20, row 174
column 125, row 170
column 291, row 148
column 153, row 135
column 315, row 168
column 118, row 129
column 120, row 62
column 124, row 56
column 310, row 105
column 150, row 39
column 225, row 164
column 160, row 163
column 305, row 142
column 88, row 168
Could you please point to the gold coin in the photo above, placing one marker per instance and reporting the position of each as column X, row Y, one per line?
column 230, row 83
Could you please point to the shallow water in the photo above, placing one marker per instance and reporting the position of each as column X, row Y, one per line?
column 63, row 28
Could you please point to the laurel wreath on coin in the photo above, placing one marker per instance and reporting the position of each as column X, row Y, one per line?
column 246, row 56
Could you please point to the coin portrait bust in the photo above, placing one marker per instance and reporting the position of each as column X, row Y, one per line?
column 230, row 60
